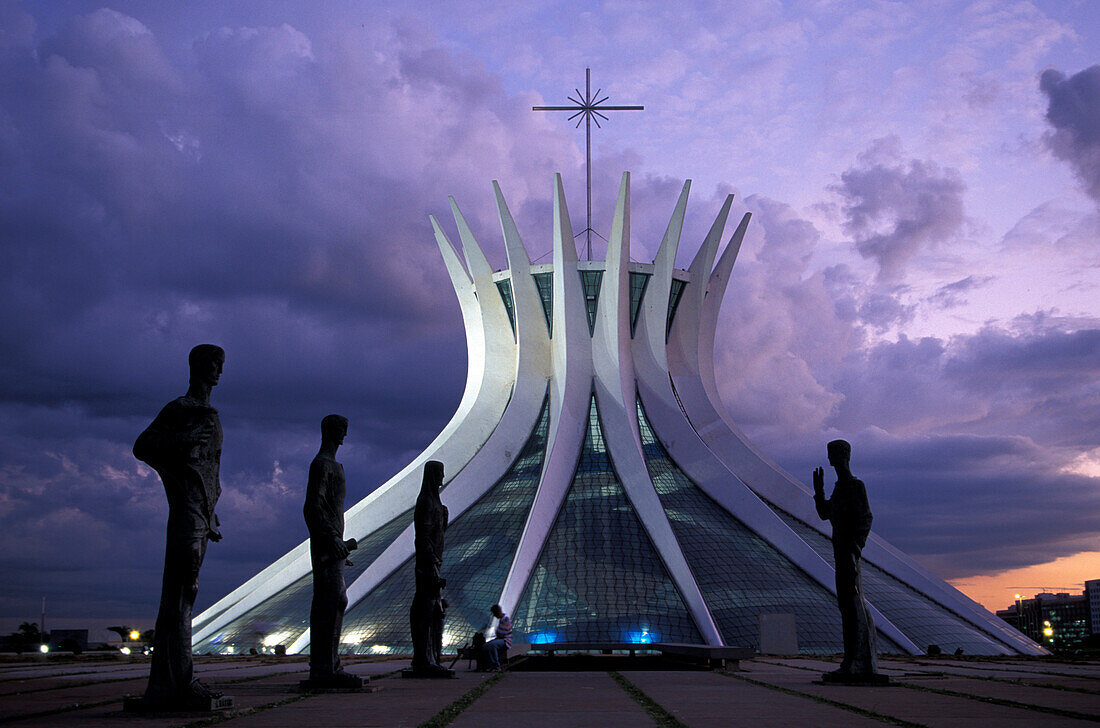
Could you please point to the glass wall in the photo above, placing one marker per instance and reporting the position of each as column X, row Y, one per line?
column 599, row 577
column 740, row 574
column 282, row 618
column 921, row 620
column 480, row 546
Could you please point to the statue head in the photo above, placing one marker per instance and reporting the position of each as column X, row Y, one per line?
column 840, row 452
column 433, row 477
column 205, row 362
column 334, row 428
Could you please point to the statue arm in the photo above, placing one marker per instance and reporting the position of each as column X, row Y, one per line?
column 160, row 443
column 824, row 506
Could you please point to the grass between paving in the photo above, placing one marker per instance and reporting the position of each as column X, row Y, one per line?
column 1023, row 682
column 446, row 716
column 234, row 714
column 1003, row 701
column 660, row 716
column 836, row 704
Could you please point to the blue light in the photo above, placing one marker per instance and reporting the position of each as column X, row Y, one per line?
column 542, row 638
column 644, row 637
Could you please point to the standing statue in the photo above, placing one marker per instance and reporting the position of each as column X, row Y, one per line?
column 324, row 514
column 425, row 615
column 848, row 511
column 184, row 446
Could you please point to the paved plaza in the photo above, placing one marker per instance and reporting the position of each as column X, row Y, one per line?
column 764, row 692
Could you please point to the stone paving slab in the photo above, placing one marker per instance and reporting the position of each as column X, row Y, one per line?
column 246, row 695
column 1034, row 667
column 916, row 706
column 1045, row 697
column 559, row 699
column 821, row 666
column 276, row 682
column 706, row 700
column 206, row 672
column 399, row 704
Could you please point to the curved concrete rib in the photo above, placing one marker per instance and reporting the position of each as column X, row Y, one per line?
column 614, row 385
column 532, row 339
column 570, row 388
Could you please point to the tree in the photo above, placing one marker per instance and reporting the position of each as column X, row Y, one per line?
column 122, row 632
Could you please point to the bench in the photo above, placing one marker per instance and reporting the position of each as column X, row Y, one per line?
column 716, row 656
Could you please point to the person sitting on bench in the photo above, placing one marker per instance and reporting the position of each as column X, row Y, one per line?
column 497, row 649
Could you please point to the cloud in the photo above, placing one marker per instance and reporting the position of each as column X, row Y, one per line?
column 895, row 209
column 951, row 295
column 1073, row 111
column 963, row 441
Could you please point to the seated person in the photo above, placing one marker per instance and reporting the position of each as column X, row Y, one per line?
column 497, row 649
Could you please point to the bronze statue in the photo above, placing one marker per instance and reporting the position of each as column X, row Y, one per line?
column 425, row 615
column 850, row 515
column 184, row 445
column 324, row 514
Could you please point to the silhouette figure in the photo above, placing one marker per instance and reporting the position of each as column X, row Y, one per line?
column 324, row 514
column 426, row 612
column 184, row 445
column 850, row 515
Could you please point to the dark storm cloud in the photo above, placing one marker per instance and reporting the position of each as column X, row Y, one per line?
column 1074, row 111
column 262, row 194
column 993, row 423
column 895, row 208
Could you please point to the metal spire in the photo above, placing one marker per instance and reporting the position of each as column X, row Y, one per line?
column 589, row 108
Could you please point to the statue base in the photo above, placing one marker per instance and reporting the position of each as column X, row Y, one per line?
column 868, row 679
column 428, row 673
column 191, row 704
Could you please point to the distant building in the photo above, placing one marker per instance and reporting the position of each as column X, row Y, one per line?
column 1092, row 595
column 1056, row 621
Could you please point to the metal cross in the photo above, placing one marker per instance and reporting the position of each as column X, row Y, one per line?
column 588, row 107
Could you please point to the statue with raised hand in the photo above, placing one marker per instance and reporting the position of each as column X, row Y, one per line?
column 324, row 514
column 184, row 445
column 429, row 524
column 850, row 515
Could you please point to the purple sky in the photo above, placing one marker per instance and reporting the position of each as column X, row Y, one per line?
column 920, row 277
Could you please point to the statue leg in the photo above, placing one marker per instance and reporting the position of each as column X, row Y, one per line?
column 172, row 669
column 437, row 632
column 340, row 607
column 420, row 615
column 849, row 602
column 866, row 659
column 328, row 581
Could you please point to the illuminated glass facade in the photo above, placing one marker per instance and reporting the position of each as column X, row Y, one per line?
column 281, row 619
column 741, row 575
column 599, row 577
column 916, row 615
column 479, row 548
